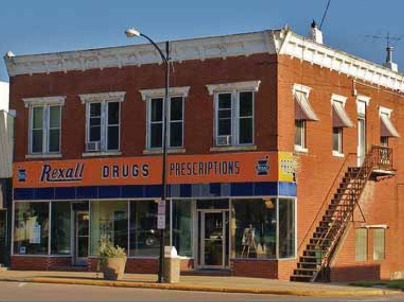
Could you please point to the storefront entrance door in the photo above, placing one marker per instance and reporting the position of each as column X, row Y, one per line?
column 81, row 237
column 213, row 239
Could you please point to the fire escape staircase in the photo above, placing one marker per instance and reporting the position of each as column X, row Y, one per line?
column 320, row 248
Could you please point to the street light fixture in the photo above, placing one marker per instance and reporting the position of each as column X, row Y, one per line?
column 130, row 33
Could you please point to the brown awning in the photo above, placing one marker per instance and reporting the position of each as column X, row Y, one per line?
column 386, row 127
column 340, row 117
column 303, row 110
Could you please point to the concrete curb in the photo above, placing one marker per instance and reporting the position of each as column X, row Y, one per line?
column 204, row 288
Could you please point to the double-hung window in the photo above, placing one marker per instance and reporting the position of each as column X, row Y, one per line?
column 234, row 113
column 340, row 120
column 303, row 113
column 156, row 115
column 175, row 123
column 45, row 122
column 387, row 128
column 103, row 119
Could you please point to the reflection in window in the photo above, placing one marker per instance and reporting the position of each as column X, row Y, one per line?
column 378, row 244
column 182, row 227
column 361, row 244
column 144, row 236
column 287, row 234
column 45, row 129
column 300, row 134
column 31, row 227
column 174, row 124
column 253, row 228
column 61, row 226
column 337, row 139
column 109, row 220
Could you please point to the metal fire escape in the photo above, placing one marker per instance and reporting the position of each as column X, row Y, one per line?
column 314, row 263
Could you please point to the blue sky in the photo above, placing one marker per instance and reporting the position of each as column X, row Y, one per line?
column 31, row 27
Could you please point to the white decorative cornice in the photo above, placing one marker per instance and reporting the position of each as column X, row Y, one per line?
column 249, row 85
column 117, row 96
column 50, row 100
column 160, row 92
column 282, row 42
column 181, row 50
column 318, row 54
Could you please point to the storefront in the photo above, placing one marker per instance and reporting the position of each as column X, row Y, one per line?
column 221, row 208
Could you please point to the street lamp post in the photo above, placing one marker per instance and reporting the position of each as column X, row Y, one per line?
column 166, row 60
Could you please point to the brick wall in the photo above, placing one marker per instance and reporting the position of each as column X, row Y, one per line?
column 198, row 109
column 274, row 130
column 318, row 168
column 256, row 268
column 39, row 263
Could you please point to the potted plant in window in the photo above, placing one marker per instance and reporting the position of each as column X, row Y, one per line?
column 112, row 260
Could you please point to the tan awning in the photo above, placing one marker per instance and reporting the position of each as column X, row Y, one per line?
column 386, row 127
column 303, row 110
column 340, row 117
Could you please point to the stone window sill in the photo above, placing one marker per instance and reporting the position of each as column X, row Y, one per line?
column 160, row 151
column 233, row 148
column 101, row 154
column 43, row 155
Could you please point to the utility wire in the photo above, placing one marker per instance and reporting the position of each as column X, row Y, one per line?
column 325, row 14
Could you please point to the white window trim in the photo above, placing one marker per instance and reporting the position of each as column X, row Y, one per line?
column 341, row 99
column 117, row 96
column 53, row 100
column 104, row 98
column 376, row 226
column 234, row 89
column 338, row 98
column 44, row 102
column 235, row 118
column 159, row 93
column 385, row 111
column 341, row 143
column 301, row 88
column 360, row 99
column 231, row 87
column 302, row 148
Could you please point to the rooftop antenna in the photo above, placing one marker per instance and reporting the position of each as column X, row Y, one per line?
column 389, row 49
column 325, row 14
column 386, row 37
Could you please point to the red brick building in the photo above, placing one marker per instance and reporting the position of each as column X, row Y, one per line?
column 280, row 158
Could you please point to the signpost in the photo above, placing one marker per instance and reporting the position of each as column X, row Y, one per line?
column 161, row 215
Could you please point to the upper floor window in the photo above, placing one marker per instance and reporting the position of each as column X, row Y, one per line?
column 234, row 113
column 387, row 128
column 44, row 124
column 300, row 134
column 303, row 113
column 103, row 120
column 340, row 120
column 156, row 116
column 175, row 125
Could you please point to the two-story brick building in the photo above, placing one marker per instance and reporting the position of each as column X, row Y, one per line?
column 271, row 163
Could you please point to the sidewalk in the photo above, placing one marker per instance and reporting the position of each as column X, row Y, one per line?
column 197, row 283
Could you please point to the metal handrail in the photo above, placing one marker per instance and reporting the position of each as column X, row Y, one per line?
column 324, row 203
column 362, row 175
column 379, row 157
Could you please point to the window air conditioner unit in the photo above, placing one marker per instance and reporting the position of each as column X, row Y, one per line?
column 93, row 146
column 223, row 140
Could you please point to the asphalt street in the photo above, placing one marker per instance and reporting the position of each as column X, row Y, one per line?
column 19, row 291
